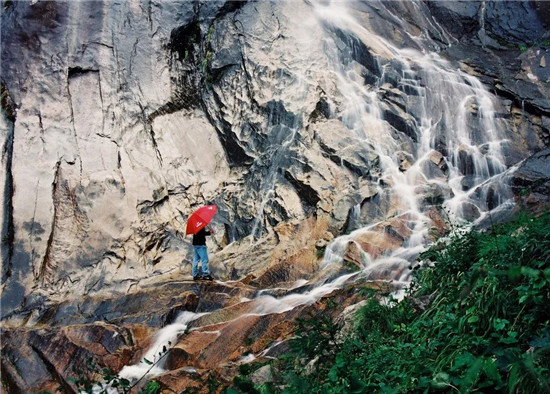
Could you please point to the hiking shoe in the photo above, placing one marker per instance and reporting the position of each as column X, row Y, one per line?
column 198, row 277
column 207, row 277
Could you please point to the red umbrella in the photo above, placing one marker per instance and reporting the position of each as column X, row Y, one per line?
column 200, row 219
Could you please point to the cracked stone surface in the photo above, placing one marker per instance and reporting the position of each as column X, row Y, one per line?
column 128, row 115
column 119, row 118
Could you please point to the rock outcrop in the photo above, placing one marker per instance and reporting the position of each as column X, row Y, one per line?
column 531, row 182
column 333, row 137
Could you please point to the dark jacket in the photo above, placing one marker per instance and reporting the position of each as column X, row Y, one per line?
column 200, row 237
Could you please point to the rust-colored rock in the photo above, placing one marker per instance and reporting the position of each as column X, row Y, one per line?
column 354, row 255
column 187, row 351
column 35, row 360
column 181, row 379
column 438, row 225
column 384, row 237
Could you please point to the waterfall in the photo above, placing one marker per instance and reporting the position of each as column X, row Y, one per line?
column 447, row 142
column 452, row 123
column 151, row 364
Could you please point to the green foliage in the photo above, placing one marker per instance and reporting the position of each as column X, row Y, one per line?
column 152, row 387
column 213, row 384
column 486, row 329
column 7, row 4
column 525, row 46
column 243, row 383
column 320, row 252
column 95, row 377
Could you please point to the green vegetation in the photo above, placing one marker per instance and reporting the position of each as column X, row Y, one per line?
column 525, row 46
column 7, row 4
column 477, row 320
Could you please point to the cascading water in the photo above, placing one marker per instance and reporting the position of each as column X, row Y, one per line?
column 448, row 149
column 453, row 137
column 152, row 362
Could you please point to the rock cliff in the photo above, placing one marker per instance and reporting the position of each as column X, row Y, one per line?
column 302, row 121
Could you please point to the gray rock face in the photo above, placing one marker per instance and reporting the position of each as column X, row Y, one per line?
column 301, row 121
column 120, row 118
column 531, row 181
column 519, row 22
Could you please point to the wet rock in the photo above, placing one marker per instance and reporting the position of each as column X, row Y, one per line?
column 465, row 161
column 262, row 375
column 345, row 212
column 298, row 266
column 404, row 160
column 432, row 170
column 469, row 181
column 520, row 22
column 342, row 147
column 183, row 379
column 155, row 306
column 469, row 211
column 439, row 160
column 461, row 17
column 439, row 227
column 531, row 181
column 42, row 359
column 122, row 136
column 354, row 257
column 322, row 111
column 434, row 193
column 355, row 49
column 384, row 237
column 278, row 349
column 222, row 121
column 401, row 120
column 161, row 304
column 377, row 207
column 323, row 242
column 214, row 296
column 517, row 22
column 388, row 269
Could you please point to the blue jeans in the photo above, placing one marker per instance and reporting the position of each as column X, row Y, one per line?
column 200, row 254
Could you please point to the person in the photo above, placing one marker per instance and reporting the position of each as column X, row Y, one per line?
column 201, row 254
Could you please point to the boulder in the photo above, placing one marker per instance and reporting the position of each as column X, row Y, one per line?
column 262, row 375
column 384, row 237
column 531, row 181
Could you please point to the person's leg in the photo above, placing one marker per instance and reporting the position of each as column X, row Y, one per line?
column 203, row 252
column 196, row 258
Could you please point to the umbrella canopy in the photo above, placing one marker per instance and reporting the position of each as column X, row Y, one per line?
column 200, row 219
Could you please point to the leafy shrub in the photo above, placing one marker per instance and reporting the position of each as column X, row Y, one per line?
column 486, row 329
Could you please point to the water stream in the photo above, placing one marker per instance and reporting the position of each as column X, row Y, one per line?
column 455, row 140
column 452, row 150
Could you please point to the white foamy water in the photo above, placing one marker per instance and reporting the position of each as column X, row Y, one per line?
column 164, row 339
column 266, row 304
column 453, row 116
